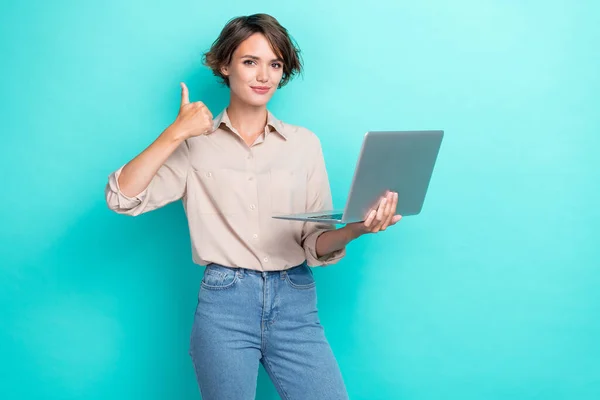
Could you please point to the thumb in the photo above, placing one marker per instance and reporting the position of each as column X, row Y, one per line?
column 185, row 95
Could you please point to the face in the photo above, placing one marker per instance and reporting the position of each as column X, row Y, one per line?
column 254, row 72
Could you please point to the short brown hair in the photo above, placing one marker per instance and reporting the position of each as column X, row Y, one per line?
column 241, row 28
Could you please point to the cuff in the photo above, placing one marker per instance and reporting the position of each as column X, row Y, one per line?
column 116, row 199
column 310, row 251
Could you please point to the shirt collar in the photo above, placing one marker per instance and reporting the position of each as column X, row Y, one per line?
column 272, row 123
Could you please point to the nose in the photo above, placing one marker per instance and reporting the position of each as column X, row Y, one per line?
column 263, row 74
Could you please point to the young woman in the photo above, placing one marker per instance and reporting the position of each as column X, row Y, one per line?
column 257, row 299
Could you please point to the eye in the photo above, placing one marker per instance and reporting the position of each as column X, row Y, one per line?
column 248, row 61
column 277, row 65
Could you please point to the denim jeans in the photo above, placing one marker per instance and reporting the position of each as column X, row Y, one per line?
column 245, row 317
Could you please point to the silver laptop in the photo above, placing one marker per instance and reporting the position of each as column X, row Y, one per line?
column 401, row 161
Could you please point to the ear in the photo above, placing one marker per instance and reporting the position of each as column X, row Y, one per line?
column 225, row 70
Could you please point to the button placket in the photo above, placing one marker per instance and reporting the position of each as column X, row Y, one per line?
column 253, row 182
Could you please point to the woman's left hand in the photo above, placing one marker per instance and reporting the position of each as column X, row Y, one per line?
column 380, row 219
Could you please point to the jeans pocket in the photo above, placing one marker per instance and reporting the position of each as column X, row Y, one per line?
column 218, row 277
column 300, row 277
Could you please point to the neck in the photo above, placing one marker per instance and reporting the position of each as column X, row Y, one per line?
column 248, row 120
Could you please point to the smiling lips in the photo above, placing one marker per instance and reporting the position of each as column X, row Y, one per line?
column 261, row 89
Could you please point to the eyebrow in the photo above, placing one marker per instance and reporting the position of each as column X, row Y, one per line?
column 258, row 58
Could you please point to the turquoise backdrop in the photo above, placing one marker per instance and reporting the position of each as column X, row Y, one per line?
column 491, row 293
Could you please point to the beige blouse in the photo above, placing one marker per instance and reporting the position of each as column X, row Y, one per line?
column 230, row 192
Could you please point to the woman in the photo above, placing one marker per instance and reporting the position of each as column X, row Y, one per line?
column 257, row 300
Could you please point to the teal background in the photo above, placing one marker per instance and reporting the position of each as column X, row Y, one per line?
column 491, row 293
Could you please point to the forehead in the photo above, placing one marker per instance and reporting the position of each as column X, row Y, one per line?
column 256, row 45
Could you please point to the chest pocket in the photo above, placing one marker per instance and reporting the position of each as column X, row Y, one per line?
column 215, row 189
column 288, row 191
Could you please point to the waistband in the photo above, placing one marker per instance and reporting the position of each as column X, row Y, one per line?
column 254, row 271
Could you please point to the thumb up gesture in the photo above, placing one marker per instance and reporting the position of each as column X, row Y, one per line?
column 193, row 119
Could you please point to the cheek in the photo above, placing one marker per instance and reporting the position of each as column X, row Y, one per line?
column 238, row 76
column 245, row 75
column 240, row 85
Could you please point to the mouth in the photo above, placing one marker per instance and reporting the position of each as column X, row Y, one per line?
column 260, row 89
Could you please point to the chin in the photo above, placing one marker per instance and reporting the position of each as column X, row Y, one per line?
column 257, row 101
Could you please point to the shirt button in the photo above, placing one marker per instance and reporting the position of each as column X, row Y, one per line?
column 255, row 236
column 266, row 259
column 208, row 174
column 252, row 206
column 249, row 156
column 250, row 178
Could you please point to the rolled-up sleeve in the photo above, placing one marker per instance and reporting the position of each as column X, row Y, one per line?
column 318, row 199
column 168, row 185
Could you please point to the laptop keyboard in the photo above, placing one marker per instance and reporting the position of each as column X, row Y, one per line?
column 328, row 216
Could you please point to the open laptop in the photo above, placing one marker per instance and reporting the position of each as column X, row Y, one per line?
column 401, row 161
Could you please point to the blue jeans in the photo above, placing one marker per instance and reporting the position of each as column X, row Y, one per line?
column 245, row 317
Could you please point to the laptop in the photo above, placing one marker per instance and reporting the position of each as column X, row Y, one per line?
column 401, row 161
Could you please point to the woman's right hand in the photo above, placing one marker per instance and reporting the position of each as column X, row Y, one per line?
column 194, row 119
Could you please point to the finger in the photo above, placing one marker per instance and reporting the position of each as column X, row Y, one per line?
column 185, row 95
column 209, row 122
column 386, row 212
column 379, row 217
column 370, row 218
column 381, row 208
column 389, row 211
column 392, row 210
column 395, row 219
column 207, row 114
